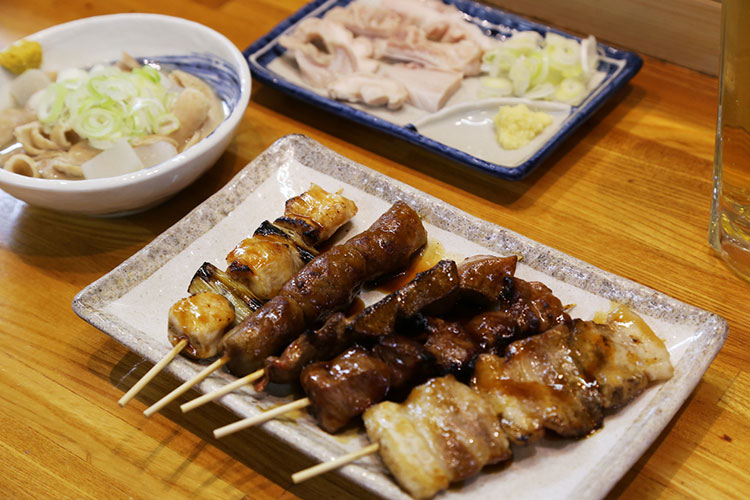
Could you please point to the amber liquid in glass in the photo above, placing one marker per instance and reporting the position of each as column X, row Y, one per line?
column 729, row 232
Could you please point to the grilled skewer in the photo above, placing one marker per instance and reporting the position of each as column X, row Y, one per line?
column 329, row 282
column 221, row 299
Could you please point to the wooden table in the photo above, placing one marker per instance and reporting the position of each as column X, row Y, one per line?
column 629, row 193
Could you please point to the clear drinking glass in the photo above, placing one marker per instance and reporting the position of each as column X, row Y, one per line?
column 729, row 232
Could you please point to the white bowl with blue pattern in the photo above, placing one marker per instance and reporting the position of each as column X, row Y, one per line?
column 184, row 44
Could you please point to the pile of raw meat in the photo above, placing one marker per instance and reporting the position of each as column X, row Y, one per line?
column 387, row 52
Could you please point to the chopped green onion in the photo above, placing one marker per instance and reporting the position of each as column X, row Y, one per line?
column 52, row 103
column 550, row 67
column 105, row 103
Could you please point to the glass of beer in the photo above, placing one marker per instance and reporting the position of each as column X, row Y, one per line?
column 729, row 232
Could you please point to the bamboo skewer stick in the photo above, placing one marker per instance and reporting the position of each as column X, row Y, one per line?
column 263, row 417
column 152, row 372
column 324, row 467
column 247, row 379
column 185, row 386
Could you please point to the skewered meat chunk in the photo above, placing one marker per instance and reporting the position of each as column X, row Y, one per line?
column 329, row 282
column 562, row 379
column 264, row 263
column 426, row 288
column 623, row 356
column 391, row 241
column 530, row 309
column 482, row 277
column 275, row 252
column 539, row 385
column 442, row 432
column 408, row 363
column 324, row 343
column 202, row 319
column 316, row 214
column 524, row 309
column 343, row 388
column 452, row 347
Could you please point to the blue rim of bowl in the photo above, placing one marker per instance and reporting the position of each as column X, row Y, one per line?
column 266, row 49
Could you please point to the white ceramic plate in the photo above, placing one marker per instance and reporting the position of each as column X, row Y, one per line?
column 131, row 302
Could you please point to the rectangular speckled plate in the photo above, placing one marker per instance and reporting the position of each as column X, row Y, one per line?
column 131, row 302
column 437, row 131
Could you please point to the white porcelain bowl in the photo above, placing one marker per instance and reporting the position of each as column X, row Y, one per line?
column 188, row 45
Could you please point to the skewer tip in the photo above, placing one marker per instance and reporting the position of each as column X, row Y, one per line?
column 336, row 463
column 151, row 374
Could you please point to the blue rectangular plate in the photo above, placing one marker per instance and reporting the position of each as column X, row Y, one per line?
column 619, row 67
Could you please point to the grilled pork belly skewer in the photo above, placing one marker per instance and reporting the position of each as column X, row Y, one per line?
column 562, row 380
column 258, row 267
column 329, row 282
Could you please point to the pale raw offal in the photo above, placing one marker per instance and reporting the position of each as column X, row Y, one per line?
column 429, row 89
column 372, row 90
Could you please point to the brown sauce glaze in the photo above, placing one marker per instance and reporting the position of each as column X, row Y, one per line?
column 432, row 253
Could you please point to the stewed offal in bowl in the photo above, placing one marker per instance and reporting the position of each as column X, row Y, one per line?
column 122, row 112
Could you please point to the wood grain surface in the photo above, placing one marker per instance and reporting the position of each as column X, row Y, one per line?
column 630, row 193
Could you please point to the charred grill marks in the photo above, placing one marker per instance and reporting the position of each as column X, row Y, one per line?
column 329, row 282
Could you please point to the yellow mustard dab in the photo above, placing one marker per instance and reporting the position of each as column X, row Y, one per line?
column 22, row 55
column 518, row 125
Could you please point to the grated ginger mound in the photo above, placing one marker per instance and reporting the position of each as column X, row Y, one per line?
column 21, row 56
column 518, row 125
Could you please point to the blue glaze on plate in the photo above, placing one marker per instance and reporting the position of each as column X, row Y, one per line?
column 216, row 72
column 494, row 22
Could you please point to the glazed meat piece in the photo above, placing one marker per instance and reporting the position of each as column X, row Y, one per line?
column 443, row 432
column 450, row 345
column 329, row 282
column 483, row 278
column 324, row 343
column 426, row 288
column 530, row 309
column 202, row 319
column 345, row 387
column 539, row 385
column 391, row 241
column 623, row 355
column 408, row 361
